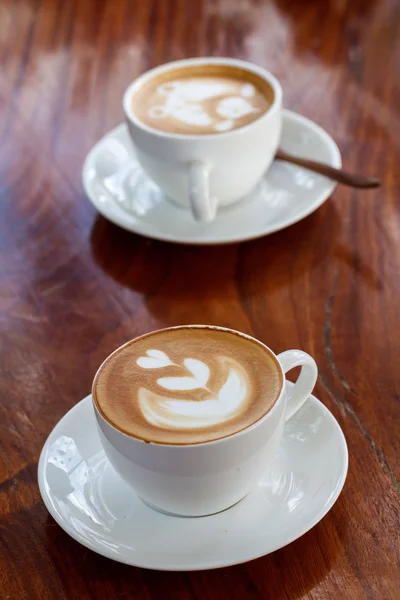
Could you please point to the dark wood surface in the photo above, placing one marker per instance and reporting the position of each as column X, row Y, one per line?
column 73, row 286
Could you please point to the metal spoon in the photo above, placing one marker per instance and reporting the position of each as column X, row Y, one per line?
column 350, row 179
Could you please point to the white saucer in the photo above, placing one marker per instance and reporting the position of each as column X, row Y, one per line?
column 122, row 193
column 93, row 505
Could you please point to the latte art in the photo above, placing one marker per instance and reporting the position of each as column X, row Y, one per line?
column 187, row 385
column 219, row 406
column 201, row 101
column 185, row 102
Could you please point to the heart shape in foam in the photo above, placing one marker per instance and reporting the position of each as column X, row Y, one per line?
column 163, row 411
column 166, row 412
column 199, row 370
column 155, row 359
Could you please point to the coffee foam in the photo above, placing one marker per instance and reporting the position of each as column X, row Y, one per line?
column 186, row 414
column 187, row 385
column 202, row 100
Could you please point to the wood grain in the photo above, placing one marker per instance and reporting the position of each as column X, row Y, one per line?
column 73, row 287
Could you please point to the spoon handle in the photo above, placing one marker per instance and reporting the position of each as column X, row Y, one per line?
column 350, row 179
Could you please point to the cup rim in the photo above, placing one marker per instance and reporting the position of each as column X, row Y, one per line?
column 234, row 62
column 242, row 432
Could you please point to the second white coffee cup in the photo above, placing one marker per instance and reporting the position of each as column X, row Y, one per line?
column 201, row 479
column 206, row 172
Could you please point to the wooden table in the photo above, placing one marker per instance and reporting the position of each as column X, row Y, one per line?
column 73, row 286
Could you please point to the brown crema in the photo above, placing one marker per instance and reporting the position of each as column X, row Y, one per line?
column 162, row 101
column 142, row 387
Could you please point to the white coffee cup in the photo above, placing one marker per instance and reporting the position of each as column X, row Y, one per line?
column 204, row 172
column 201, row 479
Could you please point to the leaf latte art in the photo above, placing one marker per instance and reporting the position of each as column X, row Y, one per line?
column 187, row 385
column 171, row 412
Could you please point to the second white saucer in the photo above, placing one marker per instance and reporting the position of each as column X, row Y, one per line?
column 94, row 506
column 121, row 192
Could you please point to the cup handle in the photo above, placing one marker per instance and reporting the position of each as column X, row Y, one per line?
column 305, row 383
column 204, row 207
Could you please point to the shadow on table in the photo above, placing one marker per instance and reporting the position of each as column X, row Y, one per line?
column 349, row 17
column 212, row 284
column 288, row 573
column 202, row 279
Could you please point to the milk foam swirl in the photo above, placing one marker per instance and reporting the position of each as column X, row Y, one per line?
column 187, row 385
column 219, row 405
column 185, row 101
